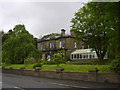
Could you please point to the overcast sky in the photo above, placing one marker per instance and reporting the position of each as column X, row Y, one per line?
column 38, row 17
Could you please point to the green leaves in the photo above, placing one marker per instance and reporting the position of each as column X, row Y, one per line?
column 115, row 66
column 58, row 58
column 95, row 24
column 18, row 46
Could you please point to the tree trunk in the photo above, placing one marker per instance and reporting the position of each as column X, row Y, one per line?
column 101, row 58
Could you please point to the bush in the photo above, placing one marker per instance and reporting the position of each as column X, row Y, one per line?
column 7, row 61
column 58, row 58
column 37, row 65
column 115, row 66
column 29, row 60
column 36, row 55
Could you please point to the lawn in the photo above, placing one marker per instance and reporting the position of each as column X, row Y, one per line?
column 67, row 67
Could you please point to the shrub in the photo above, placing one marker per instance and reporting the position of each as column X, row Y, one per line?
column 29, row 60
column 37, row 65
column 36, row 55
column 58, row 58
column 115, row 66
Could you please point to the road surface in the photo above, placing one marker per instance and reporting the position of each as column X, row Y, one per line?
column 26, row 82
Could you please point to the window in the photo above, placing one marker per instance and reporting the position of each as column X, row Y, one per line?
column 77, row 56
column 90, row 56
column 62, row 44
column 72, row 56
column 84, row 56
column 51, row 44
column 41, row 47
column 80, row 56
column 75, row 44
column 44, row 46
column 48, row 58
column 93, row 56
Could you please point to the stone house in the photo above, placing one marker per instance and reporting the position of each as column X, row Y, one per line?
column 63, row 43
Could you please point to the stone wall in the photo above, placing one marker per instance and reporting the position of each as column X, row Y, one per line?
column 69, row 75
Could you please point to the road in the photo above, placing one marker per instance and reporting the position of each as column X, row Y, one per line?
column 20, row 82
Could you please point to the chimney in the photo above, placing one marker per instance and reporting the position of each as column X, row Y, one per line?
column 62, row 32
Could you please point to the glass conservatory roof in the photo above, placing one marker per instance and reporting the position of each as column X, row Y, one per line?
column 80, row 51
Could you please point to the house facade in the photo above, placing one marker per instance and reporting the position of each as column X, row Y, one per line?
column 62, row 43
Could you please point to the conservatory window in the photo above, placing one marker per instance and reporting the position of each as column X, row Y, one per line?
column 93, row 56
column 72, row 56
column 90, row 56
column 80, row 56
column 77, row 56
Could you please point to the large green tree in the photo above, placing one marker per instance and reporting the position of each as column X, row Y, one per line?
column 18, row 46
column 97, row 26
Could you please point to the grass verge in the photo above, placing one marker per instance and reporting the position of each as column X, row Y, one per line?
column 67, row 67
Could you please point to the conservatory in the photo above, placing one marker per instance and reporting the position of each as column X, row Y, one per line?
column 84, row 54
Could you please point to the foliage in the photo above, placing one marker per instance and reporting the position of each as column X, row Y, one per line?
column 36, row 54
column 5, row 36
column 58, row 58
column 66, row 58
column 29, row 60
column 18, row 46
column 95, row 25
column 37, row 65
column 115, row 66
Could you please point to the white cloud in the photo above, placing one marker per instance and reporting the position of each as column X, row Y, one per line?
column 39, row 18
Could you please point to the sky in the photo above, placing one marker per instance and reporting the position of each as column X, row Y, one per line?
column 39, row 18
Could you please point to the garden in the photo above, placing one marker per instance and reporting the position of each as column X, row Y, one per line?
column 19, row 47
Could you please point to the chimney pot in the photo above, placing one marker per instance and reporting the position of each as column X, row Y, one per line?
column 63, row 32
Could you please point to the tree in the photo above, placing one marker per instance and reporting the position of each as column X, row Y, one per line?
column 112, row 10
column 115, row 66
column 58, row 58
column 93, row 24
column 35, row 54
column 18, row 46
column 5, row 36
